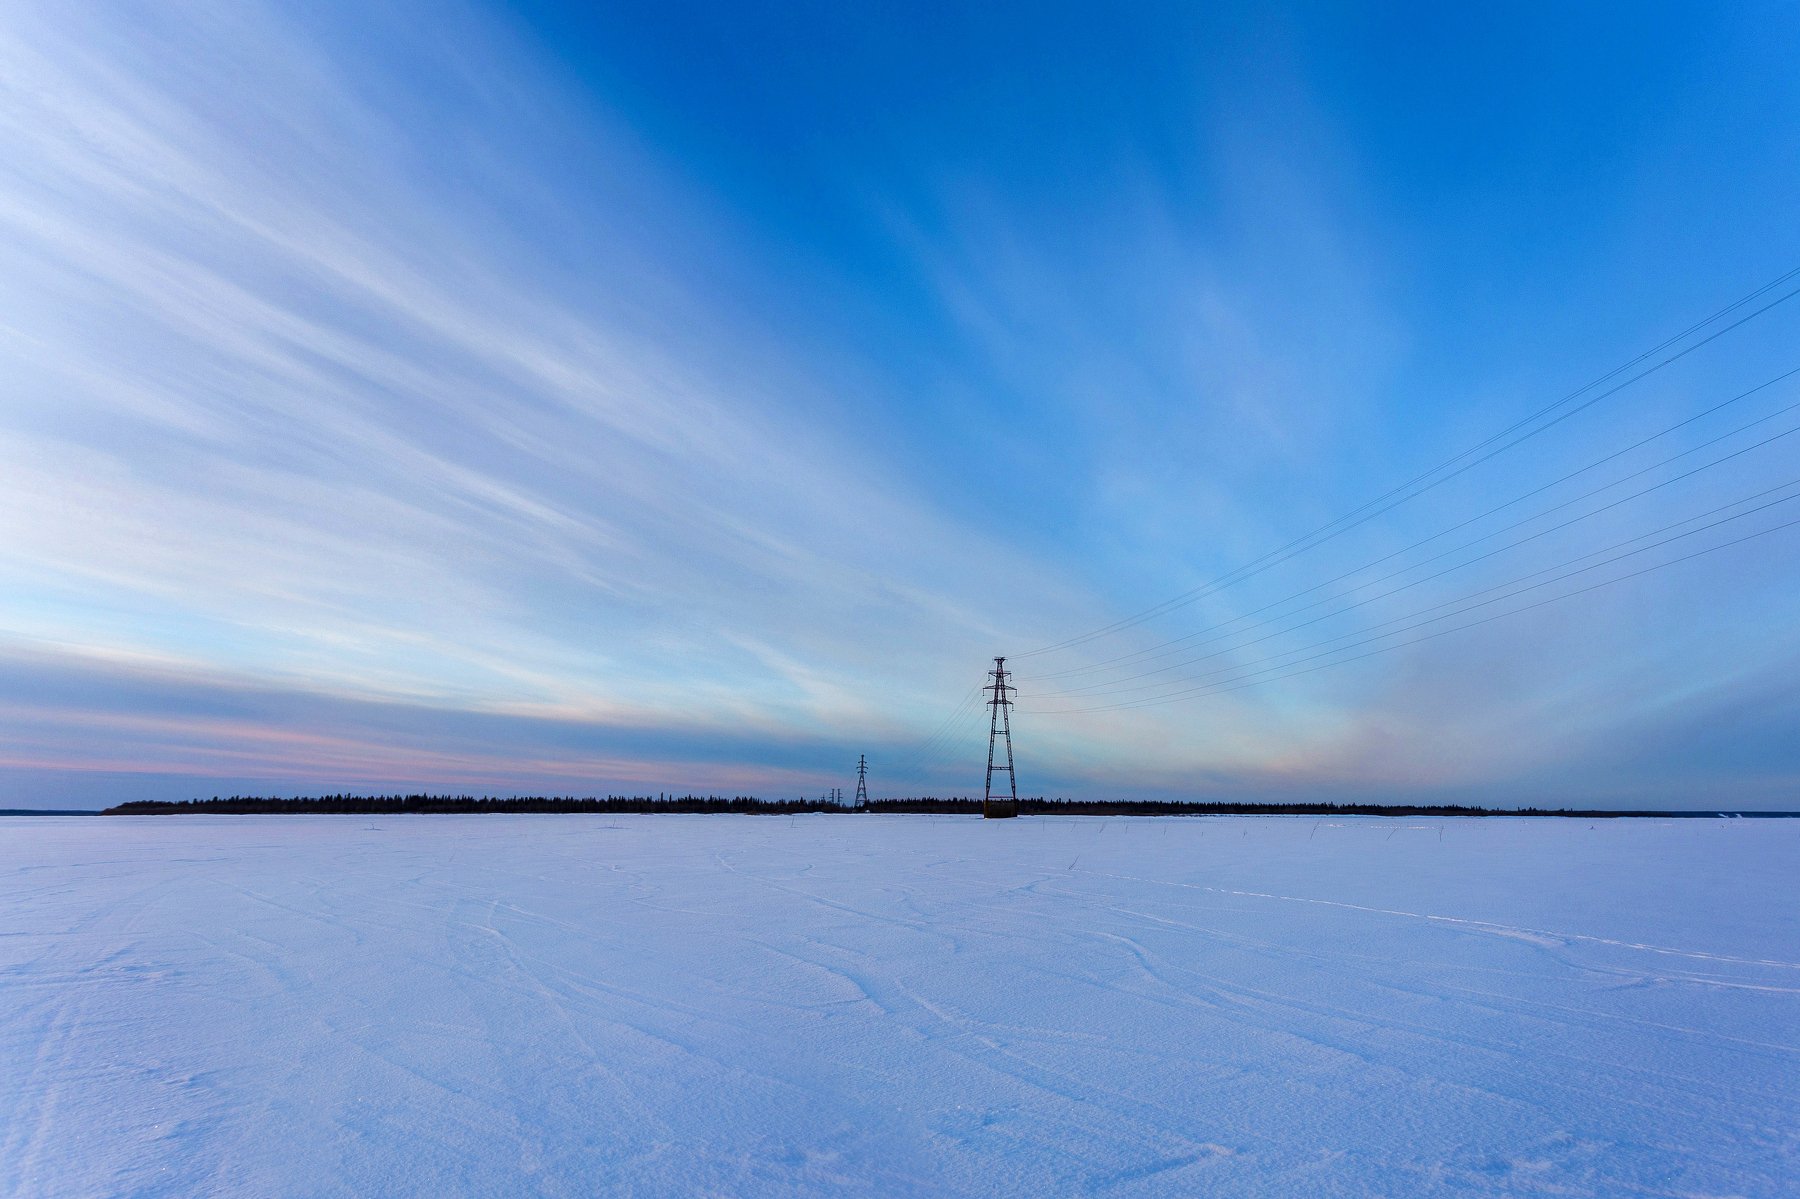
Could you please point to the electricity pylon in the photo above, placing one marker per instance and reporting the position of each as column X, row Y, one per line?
column 995, row 806
column 862, row 780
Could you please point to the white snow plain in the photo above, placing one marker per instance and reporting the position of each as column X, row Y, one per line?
column 897, row 1005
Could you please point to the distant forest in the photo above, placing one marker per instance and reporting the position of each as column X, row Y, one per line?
column 394, row 805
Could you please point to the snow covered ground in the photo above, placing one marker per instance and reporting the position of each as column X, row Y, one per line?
column 852, row 1005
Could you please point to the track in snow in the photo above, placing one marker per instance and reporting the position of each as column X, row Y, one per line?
column 831, row 1005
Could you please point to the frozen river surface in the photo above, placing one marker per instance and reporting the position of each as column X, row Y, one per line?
column 887, row 1006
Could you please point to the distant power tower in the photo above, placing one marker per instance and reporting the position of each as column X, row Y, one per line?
column 862, row 780
column 995, row 805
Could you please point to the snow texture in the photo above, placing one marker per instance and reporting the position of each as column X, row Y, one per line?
column 861, row 1005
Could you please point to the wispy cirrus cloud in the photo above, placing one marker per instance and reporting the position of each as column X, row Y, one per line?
column 287, row 398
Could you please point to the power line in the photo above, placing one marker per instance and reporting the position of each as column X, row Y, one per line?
column 1459, row 599
column 1103, row 687
column 930, row 748
column 1154, row 652
column 968, row 696
column 1252, row 680
column 1240, row 685
column 963, row 737
column 1469, row 459
column 950, row 726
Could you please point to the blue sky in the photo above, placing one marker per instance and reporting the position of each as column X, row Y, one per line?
column 665, row 397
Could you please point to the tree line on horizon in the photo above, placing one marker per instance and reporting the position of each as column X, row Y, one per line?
column 370, row 805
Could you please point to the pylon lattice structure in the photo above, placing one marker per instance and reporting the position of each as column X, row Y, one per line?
column 862, row 779
column 995, row 804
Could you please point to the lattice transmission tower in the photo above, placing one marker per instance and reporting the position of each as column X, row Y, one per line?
column 994, row 804
column 862, row 779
